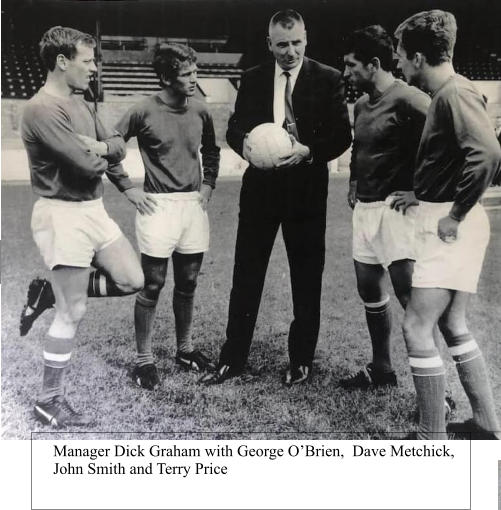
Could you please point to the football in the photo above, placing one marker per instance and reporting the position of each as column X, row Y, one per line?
column 267, row 144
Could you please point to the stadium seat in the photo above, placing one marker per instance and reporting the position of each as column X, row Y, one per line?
column 23, row 73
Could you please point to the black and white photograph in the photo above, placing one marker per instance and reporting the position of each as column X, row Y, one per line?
column 233, row 222
column 236, row 219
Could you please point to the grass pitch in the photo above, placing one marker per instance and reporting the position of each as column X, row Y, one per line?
column 256, row 405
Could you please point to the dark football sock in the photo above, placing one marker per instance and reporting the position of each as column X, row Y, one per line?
column 378, row 317
column 144, row 316
column 182, row 304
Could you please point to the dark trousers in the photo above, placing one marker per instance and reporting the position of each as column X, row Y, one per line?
column 297, row 203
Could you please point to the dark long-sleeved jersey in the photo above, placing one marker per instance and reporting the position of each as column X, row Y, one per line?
column 169, row 140
column 386, row 138
column 458, row 155
column 61, row 165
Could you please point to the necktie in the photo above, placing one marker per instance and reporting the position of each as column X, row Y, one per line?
column 289, row 121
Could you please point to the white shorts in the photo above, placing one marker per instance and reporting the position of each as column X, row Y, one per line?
column 70, row 233
column 382, row 235
column 456, row 265
column 178, row 224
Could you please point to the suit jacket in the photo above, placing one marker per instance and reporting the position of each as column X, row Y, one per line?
column 317, row 100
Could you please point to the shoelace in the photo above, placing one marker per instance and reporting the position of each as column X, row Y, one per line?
column 65, row 405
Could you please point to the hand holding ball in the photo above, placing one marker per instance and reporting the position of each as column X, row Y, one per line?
column 266, row 145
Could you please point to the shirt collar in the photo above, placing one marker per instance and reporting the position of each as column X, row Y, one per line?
column 180, row 108
column 293, row 72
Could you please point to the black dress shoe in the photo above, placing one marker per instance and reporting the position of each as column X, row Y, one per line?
column 297, row 375
column 222, row 374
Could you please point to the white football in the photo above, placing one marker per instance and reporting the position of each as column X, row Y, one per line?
column 267, row 144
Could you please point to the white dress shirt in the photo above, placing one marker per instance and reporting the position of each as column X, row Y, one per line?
column 279, row 91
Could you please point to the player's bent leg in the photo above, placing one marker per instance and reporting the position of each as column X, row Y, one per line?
column 119, row 275
column 155, row 269
column 472, row 372
column 186, row 270
column 69, row 285
column 371, row 288
column 121, row 272
column 421, row 315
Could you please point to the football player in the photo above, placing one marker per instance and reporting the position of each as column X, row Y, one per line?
column 170, row 128
column 389, row 120
column 457, row 159
column 69, row 149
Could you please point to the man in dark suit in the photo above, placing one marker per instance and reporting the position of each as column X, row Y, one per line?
column 307, row 98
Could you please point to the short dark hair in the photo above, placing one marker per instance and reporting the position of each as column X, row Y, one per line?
column 369, row 42
column 432, row 33
column 286, row 18
column 169, row 58
column 62, row 41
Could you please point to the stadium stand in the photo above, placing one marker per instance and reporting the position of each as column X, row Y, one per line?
column 127, row 63
column 479, row 63
column 123, row 43
column 22, row 70
column 126, row 66
column 219, row 27
column 23, row 74
column 228, row 37
column 129, row 78
column 123, row 77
